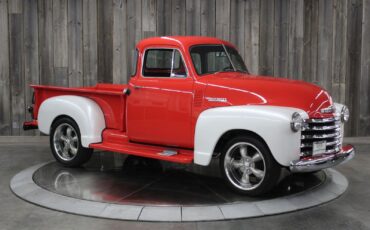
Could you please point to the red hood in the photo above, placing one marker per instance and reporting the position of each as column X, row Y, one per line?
column 242, row 89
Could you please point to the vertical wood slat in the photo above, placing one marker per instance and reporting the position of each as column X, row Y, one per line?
column 339, row 49
column 223, row 19
column 252, row 28
column 5, row 99
column 46, row 47
column 353, row 82
column 90, row 42
column 60, row 38
column 149, row 16
column 16, row 72
column 281, row 35
column 133, row 30
column 178, row 17
column 30, row 53
column 163, row 17
column 15, row 6
column 237, row 25
column 119, row 42
column 192, row 17
column 266, row 37
column 325, row 45
column 307, row 42
column 310, row 39
column 208, row 18
column 364, row 119
column 75, row 65
column 314, row 40
column 296, row 39
column 105, row 41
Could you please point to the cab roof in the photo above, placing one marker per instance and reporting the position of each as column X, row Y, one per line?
column 181, row 41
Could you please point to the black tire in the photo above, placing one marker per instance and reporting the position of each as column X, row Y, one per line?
column 255, row 165
column 73, row 156
column 309, row 173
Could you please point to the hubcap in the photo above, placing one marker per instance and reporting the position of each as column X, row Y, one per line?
column 65, row 142
column 244, row 166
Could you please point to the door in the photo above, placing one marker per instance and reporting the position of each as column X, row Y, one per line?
column 160, row 104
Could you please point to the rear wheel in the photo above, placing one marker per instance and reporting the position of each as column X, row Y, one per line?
column 65, row 143
column 248, row 166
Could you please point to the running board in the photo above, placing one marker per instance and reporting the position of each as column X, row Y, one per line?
column 182, row 156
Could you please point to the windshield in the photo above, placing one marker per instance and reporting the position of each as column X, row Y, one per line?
column 214, row 58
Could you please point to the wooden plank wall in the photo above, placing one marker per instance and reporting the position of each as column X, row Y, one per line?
column 82, row 42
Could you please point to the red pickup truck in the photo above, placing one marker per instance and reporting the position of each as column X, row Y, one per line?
column 192, row 100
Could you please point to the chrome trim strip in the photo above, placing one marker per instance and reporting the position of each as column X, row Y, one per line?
column 322, row 120
column 321, row 136
column 305, row 145
column 330, row 151
column 321, row 128
column 337, row 142
column 325, row 161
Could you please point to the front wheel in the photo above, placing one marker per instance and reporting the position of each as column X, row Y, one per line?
column 248, row 166
column 65, row 143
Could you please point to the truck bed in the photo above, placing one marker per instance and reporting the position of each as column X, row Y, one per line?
column 109, row 97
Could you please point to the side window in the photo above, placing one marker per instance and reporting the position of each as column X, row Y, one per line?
column 134, row 63
column 178, row 68
column 163, row 63
column 197, row 62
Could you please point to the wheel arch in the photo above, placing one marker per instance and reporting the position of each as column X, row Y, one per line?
column 60, row 117
column 228, row 135
column 85, row 112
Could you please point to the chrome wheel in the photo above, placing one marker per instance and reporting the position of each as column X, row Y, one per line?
column 244, row 166
column 65, row 142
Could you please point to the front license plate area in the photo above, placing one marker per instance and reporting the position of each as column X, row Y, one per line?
column 318, row 147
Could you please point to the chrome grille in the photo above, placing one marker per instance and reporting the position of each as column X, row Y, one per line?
column 325, row 129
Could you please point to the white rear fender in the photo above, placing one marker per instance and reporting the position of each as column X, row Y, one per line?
column 85, row 112
column 271, row 123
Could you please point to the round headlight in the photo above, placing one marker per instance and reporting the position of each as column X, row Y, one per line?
column 344, row 114
column 297, row 122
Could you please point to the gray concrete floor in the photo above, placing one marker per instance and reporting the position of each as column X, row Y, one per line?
column 351, row 211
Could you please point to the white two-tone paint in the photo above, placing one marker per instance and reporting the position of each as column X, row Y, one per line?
column 84, row 111
column 271, row 123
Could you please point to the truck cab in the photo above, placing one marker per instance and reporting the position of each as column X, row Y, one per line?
column 191, row 100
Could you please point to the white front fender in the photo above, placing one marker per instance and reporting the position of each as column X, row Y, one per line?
column 84, row 111
column 271, row 123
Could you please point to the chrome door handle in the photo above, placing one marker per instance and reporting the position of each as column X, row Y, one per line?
column 137, row 87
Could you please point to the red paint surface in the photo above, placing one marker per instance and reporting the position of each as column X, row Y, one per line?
column 163, row 111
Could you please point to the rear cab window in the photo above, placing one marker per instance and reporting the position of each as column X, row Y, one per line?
column 134, row 60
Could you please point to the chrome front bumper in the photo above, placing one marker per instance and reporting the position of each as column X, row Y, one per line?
column 311, row 164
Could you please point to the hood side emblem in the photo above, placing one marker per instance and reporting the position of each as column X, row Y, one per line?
column 216, row 99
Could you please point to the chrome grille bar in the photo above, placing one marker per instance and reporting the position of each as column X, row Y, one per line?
column 330, row 151
column 322, row 120
column 322, row 136
column 336, row 142
column 321, row 128
column 325, row 129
